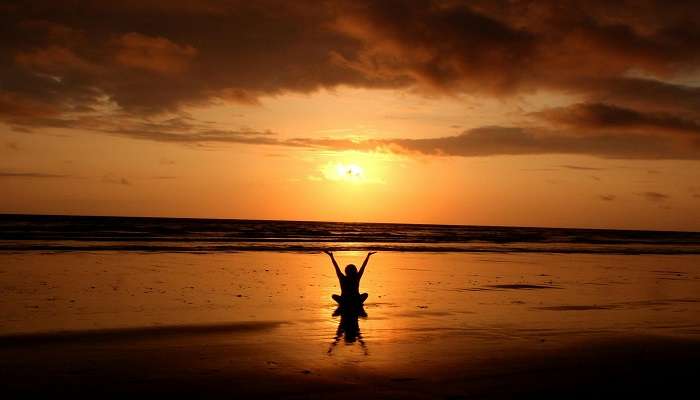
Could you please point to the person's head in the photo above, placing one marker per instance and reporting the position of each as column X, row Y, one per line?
column 351, row 270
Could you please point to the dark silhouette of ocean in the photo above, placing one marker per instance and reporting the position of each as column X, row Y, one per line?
column 49, row 233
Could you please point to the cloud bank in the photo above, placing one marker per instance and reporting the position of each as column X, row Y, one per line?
column 62, row 64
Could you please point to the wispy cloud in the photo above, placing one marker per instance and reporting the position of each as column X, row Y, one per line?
column 12, row 146
column 582, row 168
column 482, row 141
column 30, row 175
column 694, row 191
column 655, row 197
column 116, row 180
column 499, row 140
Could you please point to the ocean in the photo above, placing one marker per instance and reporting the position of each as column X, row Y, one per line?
column 55, row 233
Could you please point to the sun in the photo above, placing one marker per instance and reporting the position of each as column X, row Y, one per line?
column 342, row 172
column 349, row 172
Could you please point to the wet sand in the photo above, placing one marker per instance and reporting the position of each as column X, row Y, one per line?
column 437, row 325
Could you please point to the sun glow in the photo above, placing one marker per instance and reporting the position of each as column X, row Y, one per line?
column 342, row 172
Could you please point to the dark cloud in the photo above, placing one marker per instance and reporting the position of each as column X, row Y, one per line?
column 502, row 47
column 60, row 57
column 607, row 197
column 495, row 140
column 444, row 45
column 645, row 94
column 655, row 196
column 63, row 63
column 606, row 117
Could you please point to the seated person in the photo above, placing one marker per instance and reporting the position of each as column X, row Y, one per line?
column 350, row 282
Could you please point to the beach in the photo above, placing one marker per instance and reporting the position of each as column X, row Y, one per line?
column 438, row 325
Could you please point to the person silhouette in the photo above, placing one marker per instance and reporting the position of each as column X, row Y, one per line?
column 350, row 282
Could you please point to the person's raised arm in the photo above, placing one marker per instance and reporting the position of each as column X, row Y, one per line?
column 364, row 263
column 335, row 264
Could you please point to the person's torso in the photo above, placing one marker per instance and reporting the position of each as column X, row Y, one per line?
column 349, row 286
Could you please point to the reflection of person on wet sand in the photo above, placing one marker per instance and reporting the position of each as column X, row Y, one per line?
column 349, row 328
column 350, row 282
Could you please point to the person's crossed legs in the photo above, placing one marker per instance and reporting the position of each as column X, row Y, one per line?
column 340, row 299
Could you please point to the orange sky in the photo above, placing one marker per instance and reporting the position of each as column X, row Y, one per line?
column 432, row 112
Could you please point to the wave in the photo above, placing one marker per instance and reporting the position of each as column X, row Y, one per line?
column 318, row 247
column 77, row 233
